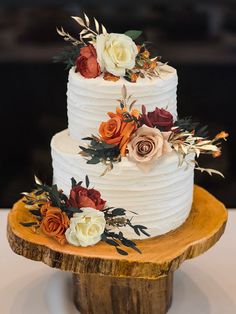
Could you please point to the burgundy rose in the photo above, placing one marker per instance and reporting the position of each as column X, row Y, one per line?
column 82, row 197
column 95, row 196
column 160, row 118
column 87, row 63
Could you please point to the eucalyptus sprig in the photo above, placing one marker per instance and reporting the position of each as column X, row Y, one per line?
column 99, row 151
column 117, row 218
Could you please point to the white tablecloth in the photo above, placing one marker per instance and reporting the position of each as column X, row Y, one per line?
column 204, row 285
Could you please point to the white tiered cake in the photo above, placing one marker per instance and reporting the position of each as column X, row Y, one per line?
column 162, row 198
column 124, row 168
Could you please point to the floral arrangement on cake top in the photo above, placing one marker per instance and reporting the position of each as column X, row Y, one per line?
column 97, row 52
column 144, row 137
column 80, row 219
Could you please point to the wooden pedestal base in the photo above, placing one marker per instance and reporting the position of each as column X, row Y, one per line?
column 98, row 294
column 108, row 283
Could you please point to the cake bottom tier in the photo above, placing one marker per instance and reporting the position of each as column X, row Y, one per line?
column 162, row 198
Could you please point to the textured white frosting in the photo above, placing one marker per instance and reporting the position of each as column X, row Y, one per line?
column 162, row 198
column 89, row 100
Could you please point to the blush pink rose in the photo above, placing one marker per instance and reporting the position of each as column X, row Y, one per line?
column 147, row 145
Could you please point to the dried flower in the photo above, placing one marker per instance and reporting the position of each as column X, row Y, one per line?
column 146, row 54
column 110, row 77
column 216, row 154
column 221, row 135
column 134, row 77
column 153, row 64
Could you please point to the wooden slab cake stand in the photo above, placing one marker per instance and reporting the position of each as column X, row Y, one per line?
column 108, row 283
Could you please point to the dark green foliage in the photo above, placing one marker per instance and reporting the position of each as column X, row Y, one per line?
column 121, row 252
column 117, row 239
column 87, row 181
column 68, row 56
column 29, row 224
column 35, row 212
column 138, row 229
column 187, row 124
column 99, row 151
column 73, row 182
column 133, row 34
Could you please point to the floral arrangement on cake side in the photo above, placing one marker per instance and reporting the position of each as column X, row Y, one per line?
column 97, row 52
column 81, row 219
column 144, row 137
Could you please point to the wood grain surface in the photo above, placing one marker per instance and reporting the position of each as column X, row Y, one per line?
column 160, row 255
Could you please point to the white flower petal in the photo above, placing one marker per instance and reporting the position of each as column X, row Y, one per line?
column 86, row 228
column 116, row 53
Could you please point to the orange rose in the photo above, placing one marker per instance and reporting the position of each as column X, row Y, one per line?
column 44, row 208
column 116, row 131
column 55, row 224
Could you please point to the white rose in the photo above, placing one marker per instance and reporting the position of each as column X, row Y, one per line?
column 86, row 228
column 116, row 53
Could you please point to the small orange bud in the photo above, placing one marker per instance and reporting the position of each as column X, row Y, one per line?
column 146, row 65
column 134, row 77
column 146, row 54
column 153, row 65
column 222, row 134
column 110, row 77
column 216, row 154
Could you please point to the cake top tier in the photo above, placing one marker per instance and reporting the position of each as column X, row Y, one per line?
column 89, row 100
column 110, row 55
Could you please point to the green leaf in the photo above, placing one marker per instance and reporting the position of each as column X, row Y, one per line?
column 68, row 56
column 133, row 34
column 29, row 224
column 89, row 151
column 73, row 182
column 136, row 230
column 120, row 251
column 118, row 212
column 39, row 192
column 93, row 161
column 105, row 145
column 74, row 210
column 87, row 181
column 35, row 212
column 112, row 242
column 87, row 138
column 53, row 194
